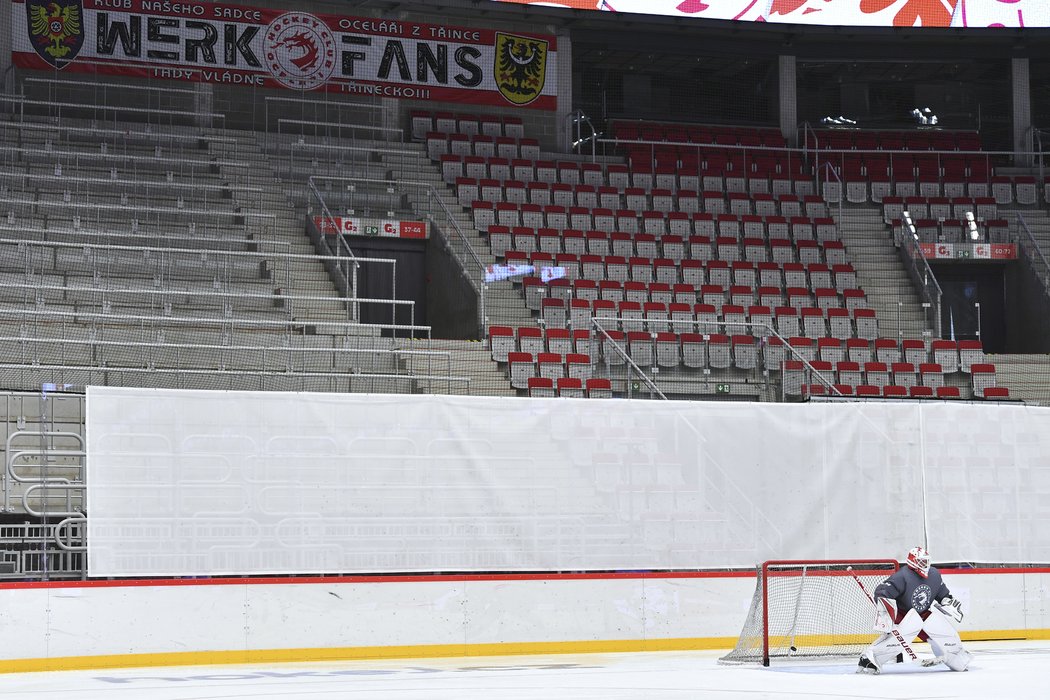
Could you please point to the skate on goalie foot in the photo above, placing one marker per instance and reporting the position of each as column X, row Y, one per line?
column 866, row 665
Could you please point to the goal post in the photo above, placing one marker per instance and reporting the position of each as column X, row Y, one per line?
column 810, row 609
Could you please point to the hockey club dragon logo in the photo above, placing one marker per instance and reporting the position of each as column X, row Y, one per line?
column 921, row 598
column 300, row 51
column 521, row 67
column 55, row 30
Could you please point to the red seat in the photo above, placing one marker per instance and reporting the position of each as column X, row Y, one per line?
column 599, row 388
column 948, row 392
column 541, row 386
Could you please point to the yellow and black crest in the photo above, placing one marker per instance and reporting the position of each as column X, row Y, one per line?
column 55, row 29
column 521, row 67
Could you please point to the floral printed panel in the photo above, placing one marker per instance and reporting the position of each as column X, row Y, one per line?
column 881, row 13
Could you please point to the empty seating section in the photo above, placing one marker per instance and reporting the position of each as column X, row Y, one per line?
column 688, row 256
column 144, row 255
column 873, row 165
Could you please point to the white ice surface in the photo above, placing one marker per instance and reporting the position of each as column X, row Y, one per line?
column 1015, row 670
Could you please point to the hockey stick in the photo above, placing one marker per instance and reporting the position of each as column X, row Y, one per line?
column 893, row 630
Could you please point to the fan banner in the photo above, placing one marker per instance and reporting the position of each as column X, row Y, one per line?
column 238, row 45
column 855, row 13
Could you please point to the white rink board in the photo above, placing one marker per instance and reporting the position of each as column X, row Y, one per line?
column 439, row 616
column 208, row 483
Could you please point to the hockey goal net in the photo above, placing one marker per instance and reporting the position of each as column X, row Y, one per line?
column 809, row 609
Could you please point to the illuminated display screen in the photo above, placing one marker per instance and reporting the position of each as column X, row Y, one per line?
column 870, row 13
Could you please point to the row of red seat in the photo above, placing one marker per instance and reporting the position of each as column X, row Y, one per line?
column 743, row 276
column 486, row 214
column 569, row 387
column 723, row 351
column 638, row 199
column 921, row 207
column 912, row 140
column 710, row 174
column 481, row 145
column 752, row 245
column 654, row 317
column 692, row 270
column 494, row 125
column 696, row 133
column 843, row 138
column 890, row 391
column 949, row 356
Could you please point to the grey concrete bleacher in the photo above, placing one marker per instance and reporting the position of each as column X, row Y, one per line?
column 132, row 251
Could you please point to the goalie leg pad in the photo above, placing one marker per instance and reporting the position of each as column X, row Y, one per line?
column 882, row 651
column 888, row 647
column 944, row 639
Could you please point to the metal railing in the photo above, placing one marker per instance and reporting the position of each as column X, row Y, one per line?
column 765, row 332
column 918, row 268
column 423, row 200
column 1031, row 252
column 814, row 160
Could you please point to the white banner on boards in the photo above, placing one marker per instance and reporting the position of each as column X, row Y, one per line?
column 186, row 483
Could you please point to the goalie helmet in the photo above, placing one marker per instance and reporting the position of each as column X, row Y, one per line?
column 919, row 561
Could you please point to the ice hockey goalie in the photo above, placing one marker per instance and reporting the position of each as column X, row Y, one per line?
column 912, row 602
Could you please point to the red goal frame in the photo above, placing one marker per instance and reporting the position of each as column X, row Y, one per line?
column 889, row 564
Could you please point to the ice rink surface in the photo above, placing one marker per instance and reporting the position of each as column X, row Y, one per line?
column 1014, row 670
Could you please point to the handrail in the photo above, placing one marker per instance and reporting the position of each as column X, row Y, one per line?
column 168, row 236
column 92, row 84
column 177, row 371
column 21, row 99
column 292, row 145
column 202, row 321
column 626, row 356
column 298, row 350
column 125, row 157
column 341, row 125
column 10, row 475
column 183, row 293
column 433, row 196
column 69, row 523
column 1033, row 252
column 807, row 129
column 924, row 277
column 574, row 122
column 343, row 246
column 426, row 186
column 88, row 180
column 323, row 103
column 788, row 149
column 828, row 170
column 743, row 324
column 148, row 133
column 1037, row 142
column 194, row 253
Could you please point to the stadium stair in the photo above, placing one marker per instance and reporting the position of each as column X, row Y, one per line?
column 1026, row 376
column 504, row 305
column 880, row 273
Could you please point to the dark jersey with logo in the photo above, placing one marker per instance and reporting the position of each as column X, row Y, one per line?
column 912, row 591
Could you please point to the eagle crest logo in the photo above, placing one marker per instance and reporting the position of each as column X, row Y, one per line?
column 55, row 30
column 521, row 67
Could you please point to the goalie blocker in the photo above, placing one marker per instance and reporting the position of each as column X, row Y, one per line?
column 915, row 601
